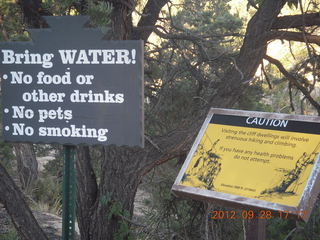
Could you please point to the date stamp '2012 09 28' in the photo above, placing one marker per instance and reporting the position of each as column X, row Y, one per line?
column 255, row 214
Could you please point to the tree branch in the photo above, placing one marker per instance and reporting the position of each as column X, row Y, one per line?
column 32, row 13
column 230, row 87
column 149, row 18
column 184, row 35
column 296, row 21
column 293, row 36
column 251, row 54
column 253, row 4
column 15, row 204
column 294, row 82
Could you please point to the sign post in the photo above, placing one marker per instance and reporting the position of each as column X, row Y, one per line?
column 69, row 193
column 256, row 229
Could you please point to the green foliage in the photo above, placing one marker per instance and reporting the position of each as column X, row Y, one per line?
column 123, row 232
column 47, row 194
column 251, row 100
column 11, row 24
column 169, row 216
column 105, row 199
column 61, row 7
column 207, row 17
column 116, row 210
column 10, row 235
column 43, row 150
column 278, row 229
column 181, row 74
column 6, row 155
column 100, row 15
column 98, row 11
column 54, row 167
column 6, row 149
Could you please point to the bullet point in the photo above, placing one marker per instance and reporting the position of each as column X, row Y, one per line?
column 5, row 76
column 6, row 110
column 7, row 128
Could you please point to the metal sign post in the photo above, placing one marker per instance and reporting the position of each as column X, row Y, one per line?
column 69, row 193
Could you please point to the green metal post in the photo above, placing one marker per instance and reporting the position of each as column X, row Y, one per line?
column 69, row 193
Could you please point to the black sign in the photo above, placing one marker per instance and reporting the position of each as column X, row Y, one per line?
column 70, row 86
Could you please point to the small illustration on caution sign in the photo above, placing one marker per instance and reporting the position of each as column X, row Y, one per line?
column 262, row 160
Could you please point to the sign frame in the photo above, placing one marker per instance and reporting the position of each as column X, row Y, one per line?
column 57, row 89
column 308, row 197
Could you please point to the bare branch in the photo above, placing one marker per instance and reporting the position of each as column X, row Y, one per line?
column 304, row 28
column 290, row 96
column 290, row 234
column 294, row 82
column 152, row 143
column 183, row 35
column 293, row 36
column 297, row 21
column 253, row 4
column 266, row 75
column 149, row 18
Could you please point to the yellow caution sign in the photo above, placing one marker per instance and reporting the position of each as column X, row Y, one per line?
column 265, row 157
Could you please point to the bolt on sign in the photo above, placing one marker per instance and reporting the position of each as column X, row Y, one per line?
column 255, row 160
column 70, row 86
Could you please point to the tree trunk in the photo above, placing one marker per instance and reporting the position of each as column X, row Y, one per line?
column 254, row 48
column 123, row 167
column 32, row 12
column 27, row 164
column 87, row 191
column 100, row 214
column 118, row 187
column 26, row 160
column 12, row 199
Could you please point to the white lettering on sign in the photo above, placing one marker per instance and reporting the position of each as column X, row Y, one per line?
column 40, row 96
column 10, row 57
column 266, row 122
column 60, row 114
column 98, row 56
column 20, row 78
column 90, row 97
column 20, row 129
column 55, row 79
column 73, row 131
column 21, row 112
column 65, row 94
